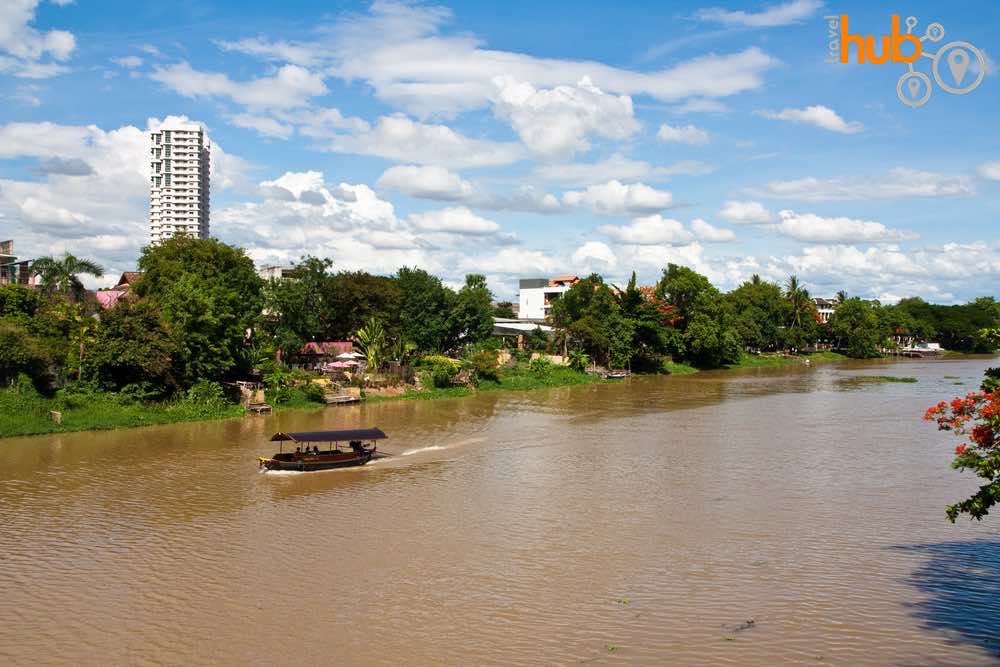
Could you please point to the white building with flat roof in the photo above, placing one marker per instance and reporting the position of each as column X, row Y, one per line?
column 179, row 182
column 536, row 295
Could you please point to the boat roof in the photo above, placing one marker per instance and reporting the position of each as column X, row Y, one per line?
column 332, row 436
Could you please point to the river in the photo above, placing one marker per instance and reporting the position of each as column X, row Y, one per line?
column 790, row 516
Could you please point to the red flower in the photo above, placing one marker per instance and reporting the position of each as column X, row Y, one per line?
column 959, row 450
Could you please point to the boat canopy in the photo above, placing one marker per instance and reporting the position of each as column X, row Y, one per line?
column 331, row 436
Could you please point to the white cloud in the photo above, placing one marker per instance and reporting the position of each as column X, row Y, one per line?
column 404, row 53
column 686, row 134
column 649, row 230
column 426, row 182
column 699, row 105
column 794, row 11
column 812, row 228
column 320, row 122
column 454, row 220
column 439, row 184
column 128, row 62
column 400, row 138
column 264, row 125
column 711, row 234
column 23, row 47
column 512, row 261
column 817, row 115
column 745, row 212
column 556, row 122
column 990, row 170
column 286, row 52
column 45, row 215
column 291, row 86
column 617, row 198
column 619, row 168
column 594, row 257
column 898, row 183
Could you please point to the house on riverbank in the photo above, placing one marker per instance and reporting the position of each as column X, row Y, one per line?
column 536, row 295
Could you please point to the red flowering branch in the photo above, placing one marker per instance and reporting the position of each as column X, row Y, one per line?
column 976, row 420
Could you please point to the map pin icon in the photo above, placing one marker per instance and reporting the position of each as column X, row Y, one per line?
column 958, row 63
column 914, row 86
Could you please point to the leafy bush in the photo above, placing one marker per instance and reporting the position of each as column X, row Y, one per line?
column 20, row 353
column 483, row 366
column 442, row 369
column 578, row 360
column 140, row 392
column 313, row 392
column 76, row 395
column 521, row 356
column 540, row 366
column 206, row 392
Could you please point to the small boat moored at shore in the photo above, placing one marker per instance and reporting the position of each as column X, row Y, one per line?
column 308, row 456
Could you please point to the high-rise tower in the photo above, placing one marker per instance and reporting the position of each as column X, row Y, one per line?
column 179, row 182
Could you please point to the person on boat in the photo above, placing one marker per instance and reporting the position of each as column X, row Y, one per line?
column 316, row 450
column 298, row 451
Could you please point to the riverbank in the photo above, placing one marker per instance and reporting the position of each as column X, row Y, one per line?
column 27, row 413
column 24, row 412
column 520, row 378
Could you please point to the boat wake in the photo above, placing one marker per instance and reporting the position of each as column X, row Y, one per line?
column 432, row 448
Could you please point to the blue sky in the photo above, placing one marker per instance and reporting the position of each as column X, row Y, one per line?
column 538, row 139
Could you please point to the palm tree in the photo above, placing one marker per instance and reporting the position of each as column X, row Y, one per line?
column 841, row 297
column 60, row 275
column 798, row 297
column 371, row 340
column 755, row 279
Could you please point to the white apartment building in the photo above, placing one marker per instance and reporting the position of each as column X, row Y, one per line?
column 179, row 182
column 536, row 295
column 825, row 308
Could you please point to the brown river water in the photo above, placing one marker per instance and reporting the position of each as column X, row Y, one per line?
column 770, row 517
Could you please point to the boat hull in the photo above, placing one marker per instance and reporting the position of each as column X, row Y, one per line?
column 312, row 466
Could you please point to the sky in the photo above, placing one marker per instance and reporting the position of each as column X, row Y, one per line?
column 517, row 139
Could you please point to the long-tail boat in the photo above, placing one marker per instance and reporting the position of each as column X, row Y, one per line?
column 308, row 454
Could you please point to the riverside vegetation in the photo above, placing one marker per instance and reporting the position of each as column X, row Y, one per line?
column 200, row 316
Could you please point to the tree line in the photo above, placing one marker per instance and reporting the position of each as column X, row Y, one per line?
column 688, row 319
column 201, row 312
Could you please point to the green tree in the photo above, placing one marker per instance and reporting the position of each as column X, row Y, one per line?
column 60, row 275
column 682, row 287
column 132, row 347
column 297, row 308
column 425, row 308
column 504, row 309
column 19, row 302
column 356, row 297
column 706, row 331
column 471, row 319
column 760, row 311
column 20, row 353
column 592, row 318
column 856, row 324
column 650, row 337
column 710, row 339
column 209, row 296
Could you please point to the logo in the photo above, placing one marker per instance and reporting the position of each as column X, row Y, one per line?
column 965, row 63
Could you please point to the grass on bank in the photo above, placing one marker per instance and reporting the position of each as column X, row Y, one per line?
column 23, row 411
column 517, row 378
column 773, row 360
column 28, row 413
